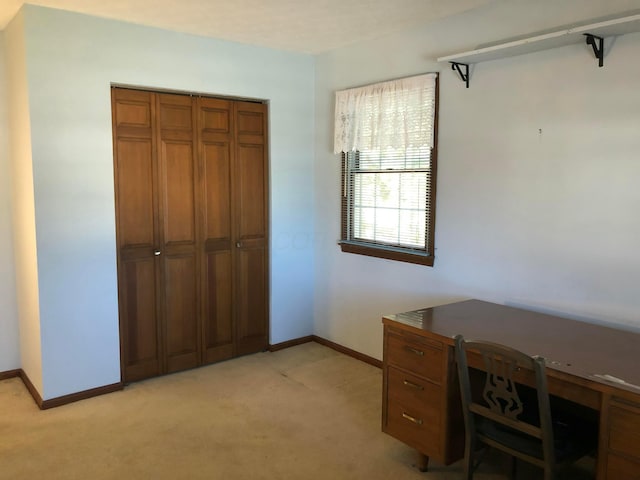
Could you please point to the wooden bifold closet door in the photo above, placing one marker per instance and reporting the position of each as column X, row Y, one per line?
column 191, row 223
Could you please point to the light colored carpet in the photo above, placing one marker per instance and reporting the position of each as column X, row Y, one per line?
column 306, row 412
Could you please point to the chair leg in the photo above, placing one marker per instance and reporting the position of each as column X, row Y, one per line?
column 469, row 458
column 514, row 468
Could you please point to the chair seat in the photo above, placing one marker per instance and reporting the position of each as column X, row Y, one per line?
column 572, row 438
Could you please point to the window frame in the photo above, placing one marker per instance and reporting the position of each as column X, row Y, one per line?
column 402, row 254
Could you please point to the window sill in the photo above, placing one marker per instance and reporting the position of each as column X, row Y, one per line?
column 389, row 254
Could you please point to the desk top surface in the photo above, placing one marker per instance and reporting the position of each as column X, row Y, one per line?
column 600, row 354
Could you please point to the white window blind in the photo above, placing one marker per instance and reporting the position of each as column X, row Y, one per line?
column 389, row 200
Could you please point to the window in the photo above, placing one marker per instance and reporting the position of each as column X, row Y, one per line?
column 386, row 134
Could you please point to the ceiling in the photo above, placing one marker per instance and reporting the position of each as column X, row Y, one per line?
column 305, row 26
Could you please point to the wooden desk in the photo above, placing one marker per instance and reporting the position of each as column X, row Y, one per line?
column 421, row 398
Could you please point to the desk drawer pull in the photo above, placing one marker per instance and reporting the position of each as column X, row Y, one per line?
column 417, row 421
column 413, row 385
column 414, row 350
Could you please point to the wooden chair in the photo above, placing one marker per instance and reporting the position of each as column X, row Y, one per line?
column 525, row 428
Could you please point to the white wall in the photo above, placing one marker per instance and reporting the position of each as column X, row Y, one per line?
column 71, row 61
column 9, row 337
column 22, row 203
column 545, row 221
column 537, row 197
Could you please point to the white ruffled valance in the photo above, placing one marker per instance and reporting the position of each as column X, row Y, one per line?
column 397, row 114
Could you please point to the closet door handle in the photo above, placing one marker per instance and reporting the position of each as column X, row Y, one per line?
column 156, row 252
column 239, row 244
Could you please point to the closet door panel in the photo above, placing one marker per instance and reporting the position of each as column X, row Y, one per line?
column 178, row 189
column 251, row 191
column 136, row 227
column 251, row 299
column 252, row 331
column 250, row 217
column 218, row 327
column 135, row 192
column 181, row 307
column 215, row 117
column 179, row 213
column 217, row 191
column 141, row 355
column 251, row 122
column 176, row 113
column 133, row 113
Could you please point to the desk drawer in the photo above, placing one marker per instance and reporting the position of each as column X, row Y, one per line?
column 624, row 429
column 619, row 468
column 418, row 428
column 419, row 356
column 415, row 393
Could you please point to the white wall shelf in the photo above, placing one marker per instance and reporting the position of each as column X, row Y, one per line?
column 592, row 33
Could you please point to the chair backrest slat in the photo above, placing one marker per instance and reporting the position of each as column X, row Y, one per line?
column 509, row 422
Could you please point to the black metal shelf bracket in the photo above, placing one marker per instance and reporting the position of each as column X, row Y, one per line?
column 463, row 71
column 597, row 43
